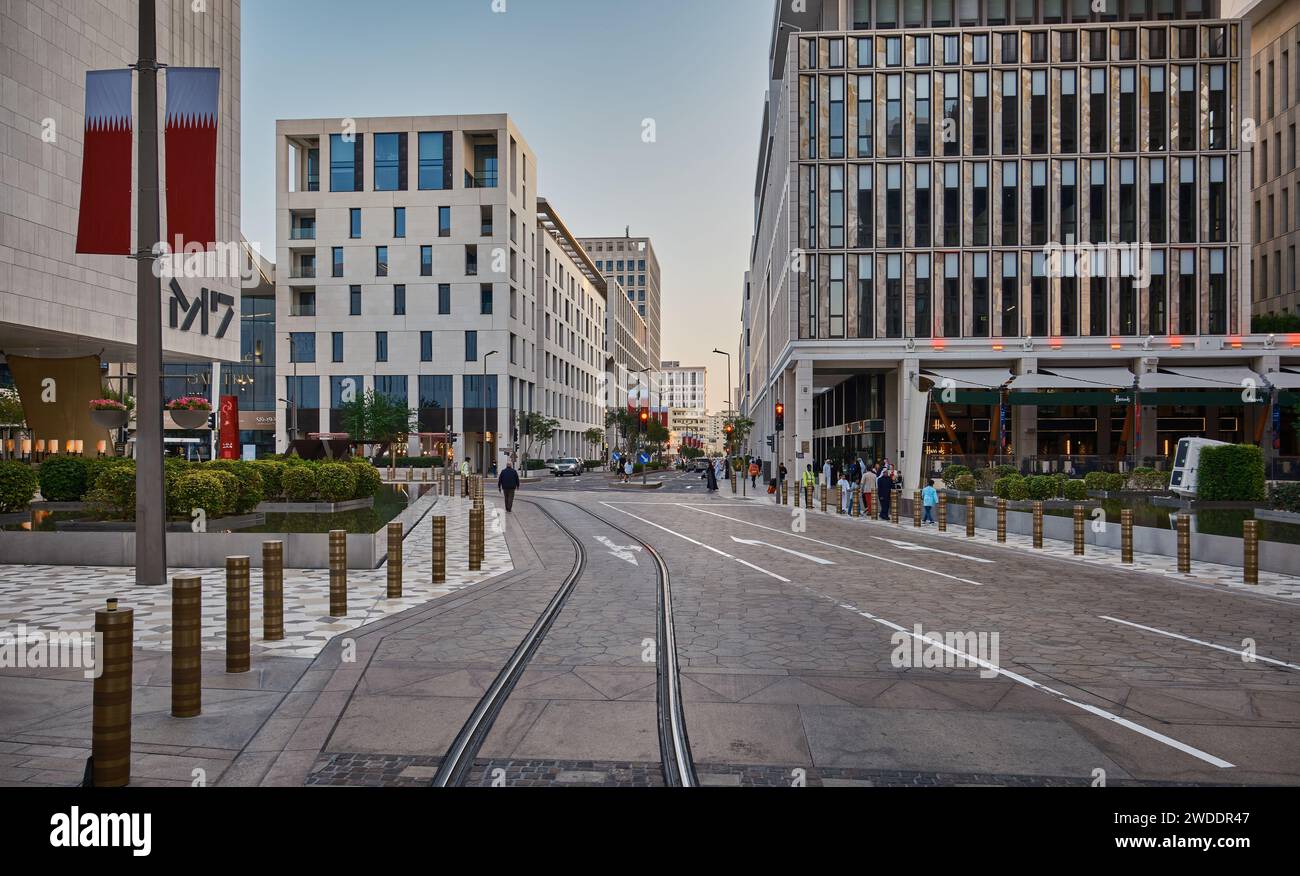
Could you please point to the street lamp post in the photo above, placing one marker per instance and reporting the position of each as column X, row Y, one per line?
column 482, row 391
column 731, row 414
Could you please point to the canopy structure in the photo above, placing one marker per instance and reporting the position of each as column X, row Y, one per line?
column 1112, row 378
column 970, row 378
column 1217, row 385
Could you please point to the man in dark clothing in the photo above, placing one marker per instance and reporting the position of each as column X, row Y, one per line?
column 507, row 483
column 885, row 483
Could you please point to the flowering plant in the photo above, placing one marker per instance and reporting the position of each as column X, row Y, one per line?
column 189, row 403
column 107, row 404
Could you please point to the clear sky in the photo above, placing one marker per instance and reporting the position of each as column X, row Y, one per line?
column 579, row 77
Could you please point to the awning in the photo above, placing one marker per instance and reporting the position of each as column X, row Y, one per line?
column 1113, row 378
column 969, row 378
column 1284, row 379
column 1219, row 386
column 1235, row 376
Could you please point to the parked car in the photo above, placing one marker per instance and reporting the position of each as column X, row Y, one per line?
column 701, row 463
column 567, row 466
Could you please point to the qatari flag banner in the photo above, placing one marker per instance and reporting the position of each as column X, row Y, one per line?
column 192, row 101
column 104, row 223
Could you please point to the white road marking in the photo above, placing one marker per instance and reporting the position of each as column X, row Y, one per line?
column 1239, row 652
column 838, row 546
column 818, row 560
column 973, row 660
column 623, row 553
column 912, row 546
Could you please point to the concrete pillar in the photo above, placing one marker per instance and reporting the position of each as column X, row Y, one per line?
column 800, row 411
column 1024, row 420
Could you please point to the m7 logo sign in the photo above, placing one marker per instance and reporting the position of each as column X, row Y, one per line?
column 207, row 301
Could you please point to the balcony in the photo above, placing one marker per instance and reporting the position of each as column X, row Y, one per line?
column 303, row 233
column 484, row 179
column 303, row 309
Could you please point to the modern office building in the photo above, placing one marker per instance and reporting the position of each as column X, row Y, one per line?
column 1011, row 231
column 632, row 262
column 60, row 311
column 683, row 386
column 417, row 261
column 1275, row 221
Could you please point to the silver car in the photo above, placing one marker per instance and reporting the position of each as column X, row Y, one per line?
column 567, row 466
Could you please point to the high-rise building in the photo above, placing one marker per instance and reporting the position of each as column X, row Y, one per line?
column 1005, row 231
column 57, row 306
column 1275, row 202
column 631, row 261
column 683, row 386
column 417, row 261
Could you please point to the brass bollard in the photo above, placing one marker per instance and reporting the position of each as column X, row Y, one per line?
column 410, row 475
column 733, row 482
column 1078, row 530
column 825, row 495
column 1002, row 521
column 808, row 497
column 1250, row 543
column 943, row 512
column 338, row 573
column 110, row 745
column 855, row 503
column 1038, row 525
column 395, row 561
column 439, row 546
column 475, row 534
column 970, row 516
column 426, row 475
column 785, row 493
column 187, row 634
column 237, row 621
column 1126, row 537
column 272, row 591
column 838, row 495
column 898, row 501
column 798, row 488
column 1185, row 544
column 916, row 509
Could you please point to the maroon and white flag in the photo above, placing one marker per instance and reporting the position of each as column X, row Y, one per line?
column 104, row 223
column 191, row 138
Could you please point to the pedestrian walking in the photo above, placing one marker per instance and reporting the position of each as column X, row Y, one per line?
column 929, row 498
column 507, row 483
column 627, row 472
column 783, row 473
column 885, row 485
column 869, row 478
column 826, row 473
column 846, row 493
column 711, row 474
column 753, row 474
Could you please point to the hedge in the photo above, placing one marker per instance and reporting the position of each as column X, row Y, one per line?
column 17, row 486
column 1010, row 486
column 1075, row 491
column 63, row 479
column 952, row 472
column 408, row 461
column 1231, row 473
column 336, row 482
column 368, row 479
column 1041, row 487
column 114, row 493
column 1095, row 481
column 272, row 472
column 300, row 483
column 1115, row 482
column 1286, row 497
column 964, row 482
column 200, row 489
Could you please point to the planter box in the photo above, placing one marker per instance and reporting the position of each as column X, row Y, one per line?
column 110, row 419
column 234, row 524
column 1198, row 505
column 190, row 419
column 314, row 507
column 1279, row 516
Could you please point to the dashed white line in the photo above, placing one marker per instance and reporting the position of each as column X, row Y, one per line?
column 1240, row 652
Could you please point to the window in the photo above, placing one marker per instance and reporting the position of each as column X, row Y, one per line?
column 1010, row 48
column 922, row 115
column 837, row 117
column 980, row 114
column 381, row 261
column 1127, row 110
column 1097, row 46
column 302, row 347
column 1010, row 112
column 893, row 205
column 390, row 162
column 426, row 346
column 951, row 295
column 810, row 118
column 485, row 299
column 1069, row 203
column 1069, row 296
column 1098, row 110
column 1010, row 295
column 485, row 221
column 941, row 13
column 1128, row 200
column 347, row 171
column 426, row 261
column 1038, row 203
column 337, row 261
column 1217, row 218
column 1010, row 203
column 980, row 204
column 980, row 295
column 444, row 299
column 837, row 206
column 866, row 297
column 951, row 49
column 1157, row 110
column 444, row 221
column 836, row 299
column 922, row 319
column 471, row 260
column 354, row 300
column 1218, row 108
column 922, row 206
column 399, row 301
column 835, row 53
column 866, row 208
column 893, row 116
column 1039, row 325
column 1157, row 44
column 1038, row 47
column 1098, row 298
column 381, row 346
column 1097, row 199
column 952, row 216
column 336, row 343
column 886, row 14
column 1069, row 46
column 1038, row 130
column 865, row 45
column 1187, row 109
column 435, row 160
column 951, row 126
column 1218, row 295
column 471, row 346
column 1157, row 296
column 1127, row 44
column 921, row 51
column 866, row 117
column 1187, row 292
column 354, row 216
column 894, row 296
column 399, row 222
column 1157, row 200
column 1069, row 111
column 1187, row 206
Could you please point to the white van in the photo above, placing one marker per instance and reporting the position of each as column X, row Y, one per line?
column 1186, row 462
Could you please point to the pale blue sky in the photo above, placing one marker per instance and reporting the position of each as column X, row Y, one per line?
column 578, row 76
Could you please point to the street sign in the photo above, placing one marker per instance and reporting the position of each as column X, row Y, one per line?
column 644, row 458
column 616, row 456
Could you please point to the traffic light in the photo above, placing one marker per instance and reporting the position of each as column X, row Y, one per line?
column 644, row 421
column 771, row 442
column 780, row 417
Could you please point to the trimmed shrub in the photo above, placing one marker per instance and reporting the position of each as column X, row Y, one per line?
column 63, row 479
column 1095, row 481
column 965, row 483
column 1232, row 473
column 952, row 472
column 96, row 468
column 1075, row 491
column 1041, row 487
column 987, row 478
column 1286, row 497
column 229, row 487
column 1006, row 471
column 336, row 482
column 114, row 493
column 1003, row 487
column 18, row 484
column 407, row 461
column 367, row 477
column 1115, row 482
column 200, row 489
column 250, row 489
column 299, row 483
column 272, row 472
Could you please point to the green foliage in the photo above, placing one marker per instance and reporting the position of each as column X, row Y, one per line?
column 952, row 472
column 201, row 489
column 1041, row 487
column 229, row 487
column 63, row 479
column 1285, row 497
column 1004, row 471
column 114, row 493
column 741, row 428
column 1095, row 481
column 11, row 408
column 377, row 419
column 405, row 461
column 1075, row 491
column 18, row 484
column 272, row 472
column 250, row 490
column 1149, row 479
column 1005, row 487
column 987, row 477
column 964, row 482
column 1231, row 473
column 300, row 483
column 336, row 482
column 1115, row 482
column 1285, row 322
column 368, row 479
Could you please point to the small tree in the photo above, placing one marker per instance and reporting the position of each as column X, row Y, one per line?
column 593, row 437
column 380, row 420
column 538, row 430
column 623, row 422
column 741, row 427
